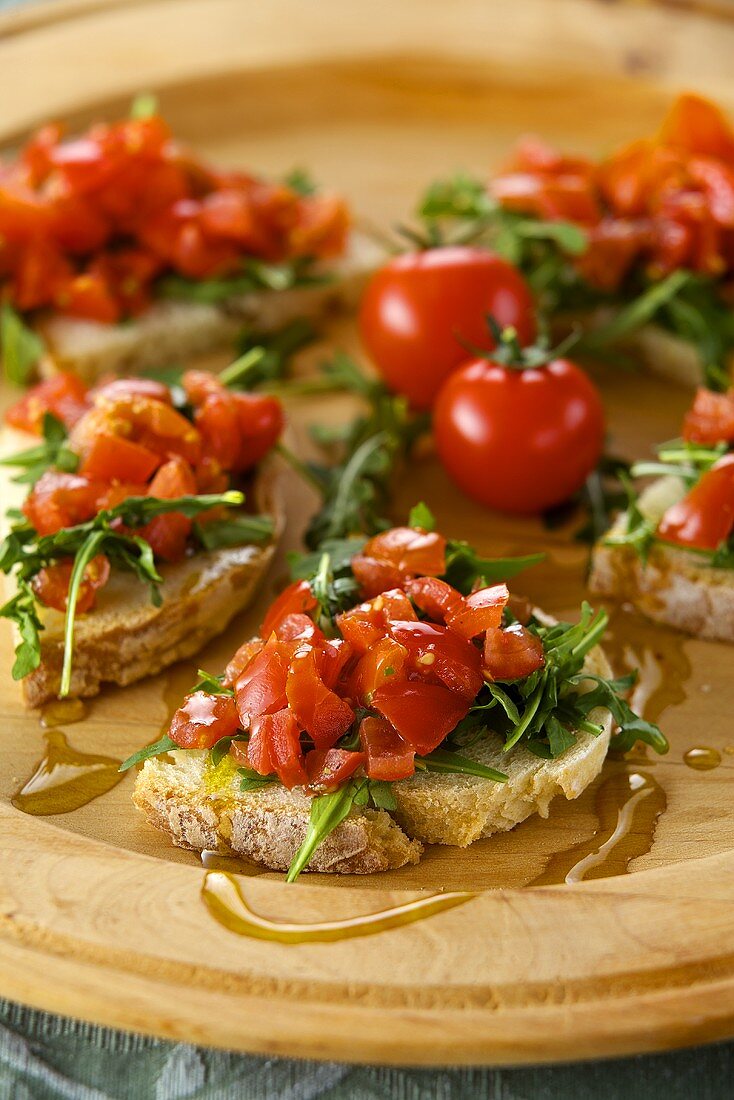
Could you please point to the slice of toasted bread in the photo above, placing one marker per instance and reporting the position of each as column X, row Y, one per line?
column 199, row 807
column 126, row 637
column 674, row 587
column 173, row 330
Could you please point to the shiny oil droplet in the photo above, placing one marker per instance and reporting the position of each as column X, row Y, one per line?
column 235, row 865
column 702, row 759
column 228, row 905
column 62, row 712
column 628, row 805
column 65, row 780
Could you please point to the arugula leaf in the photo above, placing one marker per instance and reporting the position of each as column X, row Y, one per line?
column 299, row 180
column 327, row 813
column 422, row 516
column 639, row 531
column 464, row 566
column 275, row 349
column 209, row 682
column 632, row 727
column 219, row 750
column 256, row 276
column 21, row 610
column 251, row 780
column 22, row 348
column 165, row 744
column 53, row 452
column 453, row 763
column 234, row 532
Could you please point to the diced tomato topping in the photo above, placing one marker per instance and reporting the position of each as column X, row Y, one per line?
column 433, row 596
column 241, row 660
column 436, row 653
column 119, row 492
column 512, row 653
column 711, row 418
column 333, row 658
column 375, row 576
column 423, row 714
column 365, row 624
column 260, row 422
column 255, row 753
column 328, row 769
column 63, row 395
column 384, row 660
column 61, row 500
column 218, row 424
column 133, row 387
column 168, row 534
column 111, row 457
column 203, row 719
column 412, row 550
column 388, row 756
column 480, row 611
column 704, row 519
column 87, row 295
column 299, row 628
column 275, row 747
column 296, row 599
column 51, row 584
column 260, row 687
column 317, row 708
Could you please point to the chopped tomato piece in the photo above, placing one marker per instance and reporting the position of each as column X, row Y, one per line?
column 411, row 549
column 61, row 500
column 275, row 746
column 333, row 658
column 63, row 395
column 260, row 422
column 51, row 584
column 241, row 660
column 384, row 660
column 119, row 492
column 711, row 418
column 696, row 125
column 375, row 576
column 40, row 274
column 299, row 628
column 480, row 611
column 260, row 687
column 219, row 426
column 366, row 623
column 203, row 719
column 87, row 295
column 328, row 769
column 255, row 753
column 389, row 757
column 436, row 653
column 111, row 457
column 168, row 534
column 433, row 596
column 704, row 519
column 296, row 599
column 512, row 653
column 317, row 708
column 133, row 387
column 423, row 714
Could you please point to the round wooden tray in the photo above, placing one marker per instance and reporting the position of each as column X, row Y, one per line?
column 99, row 918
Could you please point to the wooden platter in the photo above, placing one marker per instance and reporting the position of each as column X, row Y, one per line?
column 98, row 917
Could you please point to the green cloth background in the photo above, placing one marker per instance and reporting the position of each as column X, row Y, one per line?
column 45, row 1057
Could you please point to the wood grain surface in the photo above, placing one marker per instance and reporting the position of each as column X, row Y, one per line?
column 99, row 918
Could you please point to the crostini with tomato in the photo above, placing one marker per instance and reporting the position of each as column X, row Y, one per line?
column 145, row 514
column 121, row 249
column 671, row 553
column 396, row 695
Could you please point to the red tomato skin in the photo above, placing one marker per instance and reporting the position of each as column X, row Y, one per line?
column 328, row 769
column 384, row 659
column 710, row 418
column 705, row 517
column 512, row 653
column 433, row 596
column 480, row 611
column 241, row 659
column 133, row 387
column 217, row 422
column 203, row 719
column 296, row 599
column 260, row 687
column 63, row 395
column 421, row 310
column 333, row 658
column 519, row 441
column 299, row 628
column 51, row 584
column 438, row 654
column 423, row 714
column 61, row 500
column 388, row 756
column 112, row 458
column 316, row 707
column 374, row 576
column 281, row 734
column 410, row 549
column 168, row 534
column 261, row 421
column 366, row 623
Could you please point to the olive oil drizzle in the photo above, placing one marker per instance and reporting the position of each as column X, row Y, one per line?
column 226, row 903
column 65, row 779
column 702, row 758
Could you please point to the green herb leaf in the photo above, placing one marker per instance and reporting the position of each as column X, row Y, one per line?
column 251, row 780
column 422, row 516
column 453, row 763
column 158, row 748
column 464, row 566
column 22, row 348
column 237, row 531
column 145, row 105
column 53, row 452
column 21, row 610
column 632, row 727
column 327, row 813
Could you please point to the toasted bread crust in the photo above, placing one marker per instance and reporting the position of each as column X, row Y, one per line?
column 199, row 808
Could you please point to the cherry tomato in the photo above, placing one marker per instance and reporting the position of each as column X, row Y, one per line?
column 433, row 596
column 705, row 517
column 317, row 708
column 422, row 309
column 61, row 500
column 523, row 440
column 111, row 457
column 480, row 611
column 63, row 395
column 51, row 584
column 423, row 714
column 328, row 769
column 711, row 418
column 438, row 654
column 388, row 756
column 203, row 719
column 296, row 599
column 512, row 653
